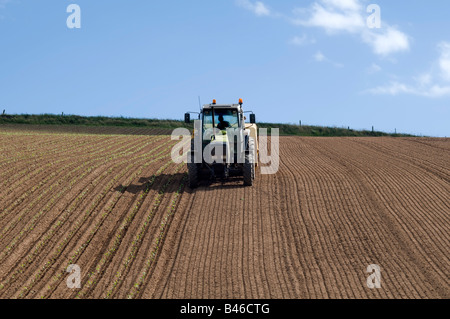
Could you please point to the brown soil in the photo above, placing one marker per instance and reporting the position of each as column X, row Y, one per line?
column 118, row 207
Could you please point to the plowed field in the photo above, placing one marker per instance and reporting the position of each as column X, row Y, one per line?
column 112, row 202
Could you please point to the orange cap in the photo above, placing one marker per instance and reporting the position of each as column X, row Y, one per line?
column 241, row 101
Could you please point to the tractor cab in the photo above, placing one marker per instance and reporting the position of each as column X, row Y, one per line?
column 225, row 144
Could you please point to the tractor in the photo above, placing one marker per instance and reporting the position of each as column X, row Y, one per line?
column 223, row 145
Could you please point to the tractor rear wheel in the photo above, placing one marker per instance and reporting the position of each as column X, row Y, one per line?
column 193, row 175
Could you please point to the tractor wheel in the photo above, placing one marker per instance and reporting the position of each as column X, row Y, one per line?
column 249, row 165
column 193, row 172
column 193, row 175
column 249, row 172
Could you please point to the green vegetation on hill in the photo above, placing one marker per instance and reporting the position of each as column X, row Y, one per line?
column 285, row 129
column 50, row 119
column 308, row 130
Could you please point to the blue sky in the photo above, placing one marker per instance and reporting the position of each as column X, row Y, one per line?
column 312, row 60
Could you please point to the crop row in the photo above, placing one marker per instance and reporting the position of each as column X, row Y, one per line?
column 123, row 228
column 61, row 220
column 158, row 242
column 106, row 211
column 72, row 180
column 111, row 152
column 43, row 181
column 38, row 151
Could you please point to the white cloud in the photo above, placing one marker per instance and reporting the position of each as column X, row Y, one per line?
column 351, row 5
column 320, row 57
column 444, row 60
column 426, row 84
column 302, row 41
column 349, row 16
column 258, row 8
column 388, row 41
column 396, row 88
column 332, row 15
column 424, row 79
column 438, row 91
column 340, row 16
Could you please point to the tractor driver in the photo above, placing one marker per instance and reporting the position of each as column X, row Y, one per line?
column 223, row 125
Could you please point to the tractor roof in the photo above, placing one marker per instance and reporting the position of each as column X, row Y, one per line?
column 222, row 106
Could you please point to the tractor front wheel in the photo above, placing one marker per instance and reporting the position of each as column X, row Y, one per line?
column 249, row 164
column 249, row 171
